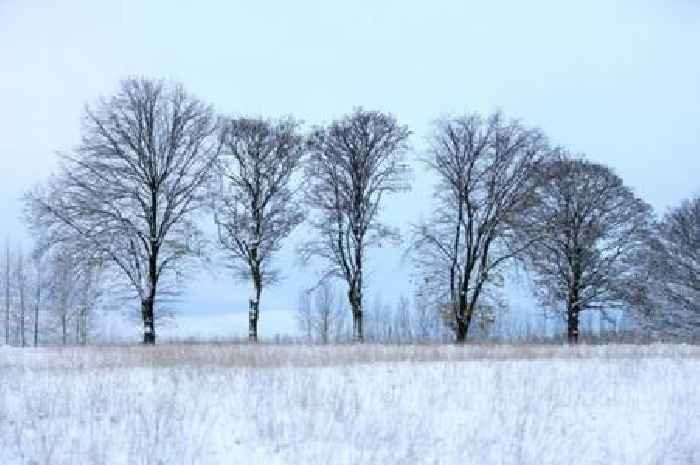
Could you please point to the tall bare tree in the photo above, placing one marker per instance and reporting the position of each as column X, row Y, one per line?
column 21, row 280
column 91, row 290
column 354, row 162
column 403, row 320
column 63, row 289
column 7, row 281
column 595, row 231
column 130, row 188
column 255, row 205
column 37, row 261
column 675, row 272
column 486, row 169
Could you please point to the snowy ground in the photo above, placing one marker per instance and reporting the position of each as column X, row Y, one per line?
column 208, row 404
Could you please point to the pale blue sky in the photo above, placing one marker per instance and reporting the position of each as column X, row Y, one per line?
column 619, row 81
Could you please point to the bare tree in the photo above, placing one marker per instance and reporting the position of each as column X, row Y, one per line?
column 305, row 314
column 486, row 184
column 321, row 319
column 426, row 320
column 354, row 162
column 675, row 272
column 378, row 321
column 130, row 188
column 7, row 282
column 37, row 260
column 255, row 206
column 62, row 289
column 21, row 280
column 91, row 284
column 594, row 231
column 403, row 320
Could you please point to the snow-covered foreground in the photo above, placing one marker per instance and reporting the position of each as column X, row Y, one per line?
column 212, row 404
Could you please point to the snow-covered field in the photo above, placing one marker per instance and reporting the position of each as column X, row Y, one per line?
column 267, row 404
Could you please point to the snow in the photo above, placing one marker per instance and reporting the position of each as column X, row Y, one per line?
column 268, row 404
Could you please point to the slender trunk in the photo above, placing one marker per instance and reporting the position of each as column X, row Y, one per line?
column 148, row 304
column 467, row 307
column 253, row 312
column 324, row 326
column 22, row 332
column 7, row 295
column 355, row 297
column 357, row 332
column 149, row 331
column 22, row 338
column 36, row 313
column 36, row 325
column 254, row 304
column 64, row 329
column 573, row 306
column 83, row 336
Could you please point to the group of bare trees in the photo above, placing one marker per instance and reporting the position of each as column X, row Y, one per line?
column 22, row 286
column 323, row 317
column 152, row 157
column 49, row 296
column 503, row 195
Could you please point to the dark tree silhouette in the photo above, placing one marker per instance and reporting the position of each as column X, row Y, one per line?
column 353, row 163
column 675, row 272
column 487, row 177
column 588, row 253
column 129, row 189
column 255, row 205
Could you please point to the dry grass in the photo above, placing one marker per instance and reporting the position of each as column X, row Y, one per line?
column 280, row 355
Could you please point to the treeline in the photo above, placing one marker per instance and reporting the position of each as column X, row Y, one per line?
column 124, row 207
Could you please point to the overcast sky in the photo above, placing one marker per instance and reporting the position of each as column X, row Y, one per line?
column 618, row 81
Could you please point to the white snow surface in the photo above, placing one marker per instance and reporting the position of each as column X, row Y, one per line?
column 268, row 404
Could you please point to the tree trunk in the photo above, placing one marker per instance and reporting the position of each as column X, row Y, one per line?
column 22, row 332
column 254, row 303
column 36, row 325
column 148, row 304
column 355, row 298
column 355, row 295
column 149, row 330
column 83, row 336
column 461, row 336
column 325, row 326
column 253, row 312
column 64, row 329
column 357, row 332
column 573, row 307
column 36, row 315
column 464, row 317
column 573, row 323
